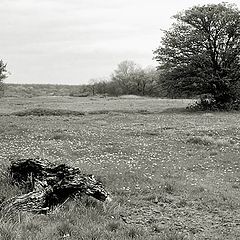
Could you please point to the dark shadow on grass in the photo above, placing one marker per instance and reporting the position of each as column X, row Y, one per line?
column 47, row 112
column 141, row 111
column 65, row 112
column 176, row 110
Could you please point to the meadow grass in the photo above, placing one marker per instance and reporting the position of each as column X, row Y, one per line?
column 171, row 175
column 94, row 105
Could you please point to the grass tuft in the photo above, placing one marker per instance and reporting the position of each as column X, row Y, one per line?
column 114, row 225
column 135, row 232
column 208, row 140
column 7, row 230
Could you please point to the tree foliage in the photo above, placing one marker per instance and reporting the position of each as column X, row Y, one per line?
column 3, row 75
column 128, row 78
column 127, row 74
column 132, row 79
column 200, row 54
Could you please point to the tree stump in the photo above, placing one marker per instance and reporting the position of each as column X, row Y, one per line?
column 48, row 185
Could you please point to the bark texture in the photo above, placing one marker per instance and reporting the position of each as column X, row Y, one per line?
column 48, row 185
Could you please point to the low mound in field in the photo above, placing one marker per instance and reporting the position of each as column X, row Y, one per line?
column 47, row 112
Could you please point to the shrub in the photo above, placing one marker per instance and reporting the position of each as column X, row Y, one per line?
column 208, row 103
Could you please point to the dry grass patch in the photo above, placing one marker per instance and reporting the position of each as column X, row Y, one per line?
column 208, row 140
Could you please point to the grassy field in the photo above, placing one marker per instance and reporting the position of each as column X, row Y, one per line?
column 95, row 105
column 172, row 174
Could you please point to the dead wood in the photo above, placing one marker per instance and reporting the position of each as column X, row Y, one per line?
column 48, row 185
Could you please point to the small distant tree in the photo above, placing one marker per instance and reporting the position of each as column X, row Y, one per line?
column 101, row 86
column 125, row 76
column 3, row 75
column 200, row 54
column 92, row 85
column 132, row 79
column 152, row 86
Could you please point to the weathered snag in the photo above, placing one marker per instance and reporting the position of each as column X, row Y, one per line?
column 48, row 185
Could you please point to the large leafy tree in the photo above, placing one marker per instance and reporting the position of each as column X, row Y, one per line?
column 3, row 75
column 200, row 54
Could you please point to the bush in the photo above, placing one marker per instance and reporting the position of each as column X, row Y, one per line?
column 208, row 103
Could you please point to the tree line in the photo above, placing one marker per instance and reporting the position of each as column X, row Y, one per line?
column 128, row 78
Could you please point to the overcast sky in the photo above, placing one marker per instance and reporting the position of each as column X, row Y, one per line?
column 72, row 41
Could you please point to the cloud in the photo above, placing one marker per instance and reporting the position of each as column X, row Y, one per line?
column 49, row 40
